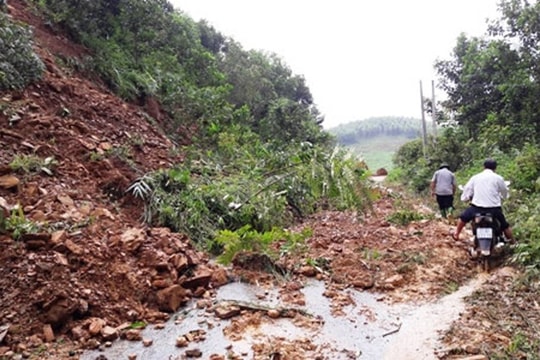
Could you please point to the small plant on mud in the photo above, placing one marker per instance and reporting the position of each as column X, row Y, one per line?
column 371, row 254
column 96, row 156
column 321, row 264
column 404, row 217
column 141, row 189
column 33, row 164
column 295, row 244
column 415, row 257
column 19, row 225
column 247, row 239
column 520, row 347
column 451, row 287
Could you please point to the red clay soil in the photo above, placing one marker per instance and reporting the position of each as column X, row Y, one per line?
column 102, row 270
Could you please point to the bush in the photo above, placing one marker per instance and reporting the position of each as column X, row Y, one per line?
column 19, row 65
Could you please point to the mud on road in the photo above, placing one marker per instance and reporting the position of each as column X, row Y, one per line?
column 91, row 281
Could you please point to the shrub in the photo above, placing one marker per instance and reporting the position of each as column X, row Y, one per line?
column 404, row 217
column 19, row 65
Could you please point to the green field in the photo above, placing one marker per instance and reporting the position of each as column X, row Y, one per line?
column 378, row 151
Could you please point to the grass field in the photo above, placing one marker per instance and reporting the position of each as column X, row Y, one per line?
column 378, row 151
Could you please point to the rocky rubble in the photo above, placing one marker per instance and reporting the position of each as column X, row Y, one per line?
column 83, row 267
column 86, row 271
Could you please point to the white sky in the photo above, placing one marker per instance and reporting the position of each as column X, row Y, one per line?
column 360, row 58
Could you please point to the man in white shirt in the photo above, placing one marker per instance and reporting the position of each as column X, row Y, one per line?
column 443, row 187
column 485, row 192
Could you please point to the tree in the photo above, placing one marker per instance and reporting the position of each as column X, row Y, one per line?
column 493, row 83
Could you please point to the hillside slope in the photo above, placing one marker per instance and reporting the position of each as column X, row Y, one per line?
column 97, row 270
column 100, row 267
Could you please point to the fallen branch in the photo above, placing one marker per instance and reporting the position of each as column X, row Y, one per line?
column 393, row 331
column 244, row 305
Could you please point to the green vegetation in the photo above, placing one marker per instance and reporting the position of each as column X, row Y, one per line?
column 376, row 140
column 378, row 152
column 17, row 224
column 19, row 65
column 204, row 80
column 247, row 239
column 245, row 183
column 371, row 254
column 258, row 156
column 32, row 164
column 491, row 110
column 403, row 217
column 354, row 132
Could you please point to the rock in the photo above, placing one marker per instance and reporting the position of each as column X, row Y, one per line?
column 9, row 182
column 308, row 271
column 194, row 353
column 132, row 239
column 216, row 357
column 181, row 341
column 109, row 333
column 96, row 325
column 92, row 343
column 366, row 281
column 473, row 349
column 133, row 335
column 58, row 236
column 273, row 313
column 219, row 277
column 147, row 342
column 204, row 303
column 59, row 311
column 36, row 236
column 161, row 283
column 65, row 200
column 74, row 248
column 394, row 281
column 79, row 333
column 171, row 298
column 48, row 333
column 200, row 280
column 226, row 311
column 381, row 172
column 179, row 261
column 35, row 241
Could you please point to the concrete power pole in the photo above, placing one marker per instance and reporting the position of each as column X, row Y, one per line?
column 433, row 109
column 424, row 133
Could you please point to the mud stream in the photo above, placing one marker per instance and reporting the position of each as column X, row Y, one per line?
column 370, row 329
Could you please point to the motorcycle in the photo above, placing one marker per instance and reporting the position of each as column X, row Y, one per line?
column 488, row 240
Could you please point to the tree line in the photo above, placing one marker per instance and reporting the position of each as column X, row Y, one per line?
column 356, row 131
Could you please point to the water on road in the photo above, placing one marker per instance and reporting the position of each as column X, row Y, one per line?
column 369, row 329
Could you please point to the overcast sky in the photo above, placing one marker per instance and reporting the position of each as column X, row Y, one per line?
column 360, row 58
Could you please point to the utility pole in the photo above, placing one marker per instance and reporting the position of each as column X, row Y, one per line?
column 424, row 134
column 433, row 109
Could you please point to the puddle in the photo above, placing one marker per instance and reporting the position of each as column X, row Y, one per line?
column 370, row 329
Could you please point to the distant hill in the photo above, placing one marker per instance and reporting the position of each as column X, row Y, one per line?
column 377, row 139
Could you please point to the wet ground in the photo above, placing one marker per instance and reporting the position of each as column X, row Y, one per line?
column 370, row 328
